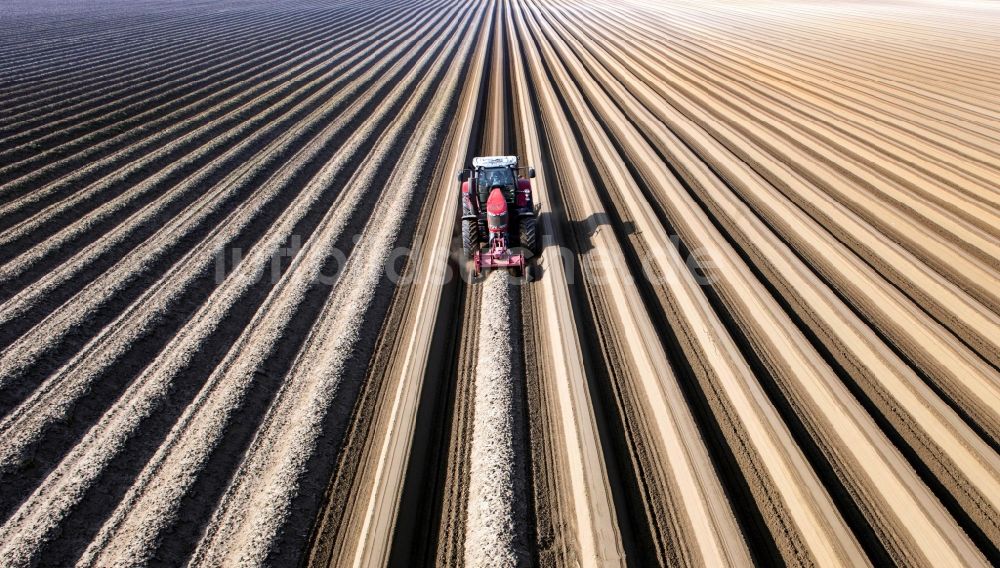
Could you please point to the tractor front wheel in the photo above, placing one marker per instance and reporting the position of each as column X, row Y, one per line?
column 470, row 236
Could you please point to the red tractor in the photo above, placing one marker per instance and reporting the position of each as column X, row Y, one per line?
column 498, row 213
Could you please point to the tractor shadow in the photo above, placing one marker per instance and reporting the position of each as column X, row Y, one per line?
column 583, row 231
column 576, row 239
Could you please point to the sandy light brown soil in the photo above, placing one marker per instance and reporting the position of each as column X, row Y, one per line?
column 494, row 526
column 764, row 327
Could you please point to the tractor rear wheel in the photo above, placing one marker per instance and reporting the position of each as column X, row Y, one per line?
column 528, row 236
column 470, row 236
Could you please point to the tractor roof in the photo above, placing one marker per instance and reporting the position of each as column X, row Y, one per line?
column 494, row 161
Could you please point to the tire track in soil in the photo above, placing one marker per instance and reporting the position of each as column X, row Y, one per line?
column 496, row 512
column 493, row 124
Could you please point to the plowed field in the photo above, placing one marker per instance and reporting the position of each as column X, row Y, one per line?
column 237, row 328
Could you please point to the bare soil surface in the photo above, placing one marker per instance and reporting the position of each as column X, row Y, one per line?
column 236, row 327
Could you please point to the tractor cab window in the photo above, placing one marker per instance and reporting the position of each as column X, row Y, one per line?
column 489, row 177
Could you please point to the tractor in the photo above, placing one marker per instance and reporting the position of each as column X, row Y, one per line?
column 498, row 213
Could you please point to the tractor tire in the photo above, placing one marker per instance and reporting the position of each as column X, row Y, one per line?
column 470, row 236
column 528, row 236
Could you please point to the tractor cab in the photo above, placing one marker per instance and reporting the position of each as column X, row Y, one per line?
column 501, row 177
column 490, row 172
